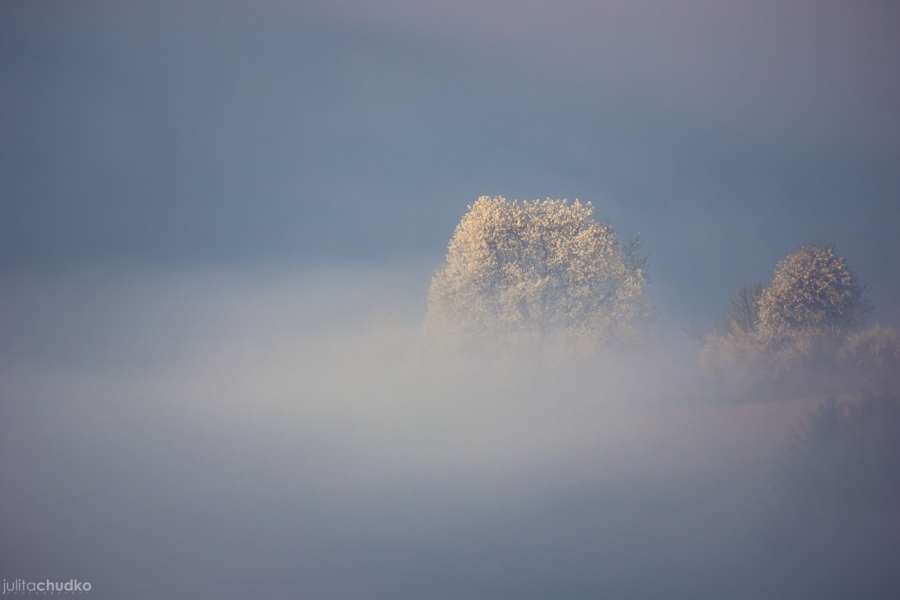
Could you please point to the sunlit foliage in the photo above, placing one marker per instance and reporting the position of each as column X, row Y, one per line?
column 536, row 267
column 812, row 290
column 806, row 318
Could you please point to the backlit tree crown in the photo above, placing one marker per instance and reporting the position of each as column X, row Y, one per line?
column 536, row 266
column 812, row 290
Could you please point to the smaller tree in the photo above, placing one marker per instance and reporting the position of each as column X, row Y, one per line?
column 812, row 291
column 743, row 314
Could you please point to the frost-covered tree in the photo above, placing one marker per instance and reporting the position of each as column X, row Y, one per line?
column 536, row 267
column 812, row 291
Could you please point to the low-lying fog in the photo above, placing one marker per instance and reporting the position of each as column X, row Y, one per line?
column 223, row 434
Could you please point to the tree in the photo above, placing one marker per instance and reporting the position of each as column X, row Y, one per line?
column 539, row 267
column 812, row 291
column 743, row 314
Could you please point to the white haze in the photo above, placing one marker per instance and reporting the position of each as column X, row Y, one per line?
column 225, row 434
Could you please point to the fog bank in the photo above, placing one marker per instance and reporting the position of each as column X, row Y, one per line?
column 231, row 434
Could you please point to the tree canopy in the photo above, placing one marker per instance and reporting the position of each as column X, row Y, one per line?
column 542, row 266
column 812, row 290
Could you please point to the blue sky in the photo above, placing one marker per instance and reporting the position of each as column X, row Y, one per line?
column 723, row 134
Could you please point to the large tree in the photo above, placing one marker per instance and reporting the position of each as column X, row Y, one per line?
column 543, row 266
column 812, row 290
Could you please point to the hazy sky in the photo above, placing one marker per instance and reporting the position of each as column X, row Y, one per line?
column 217, row 226
column 723, row 133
